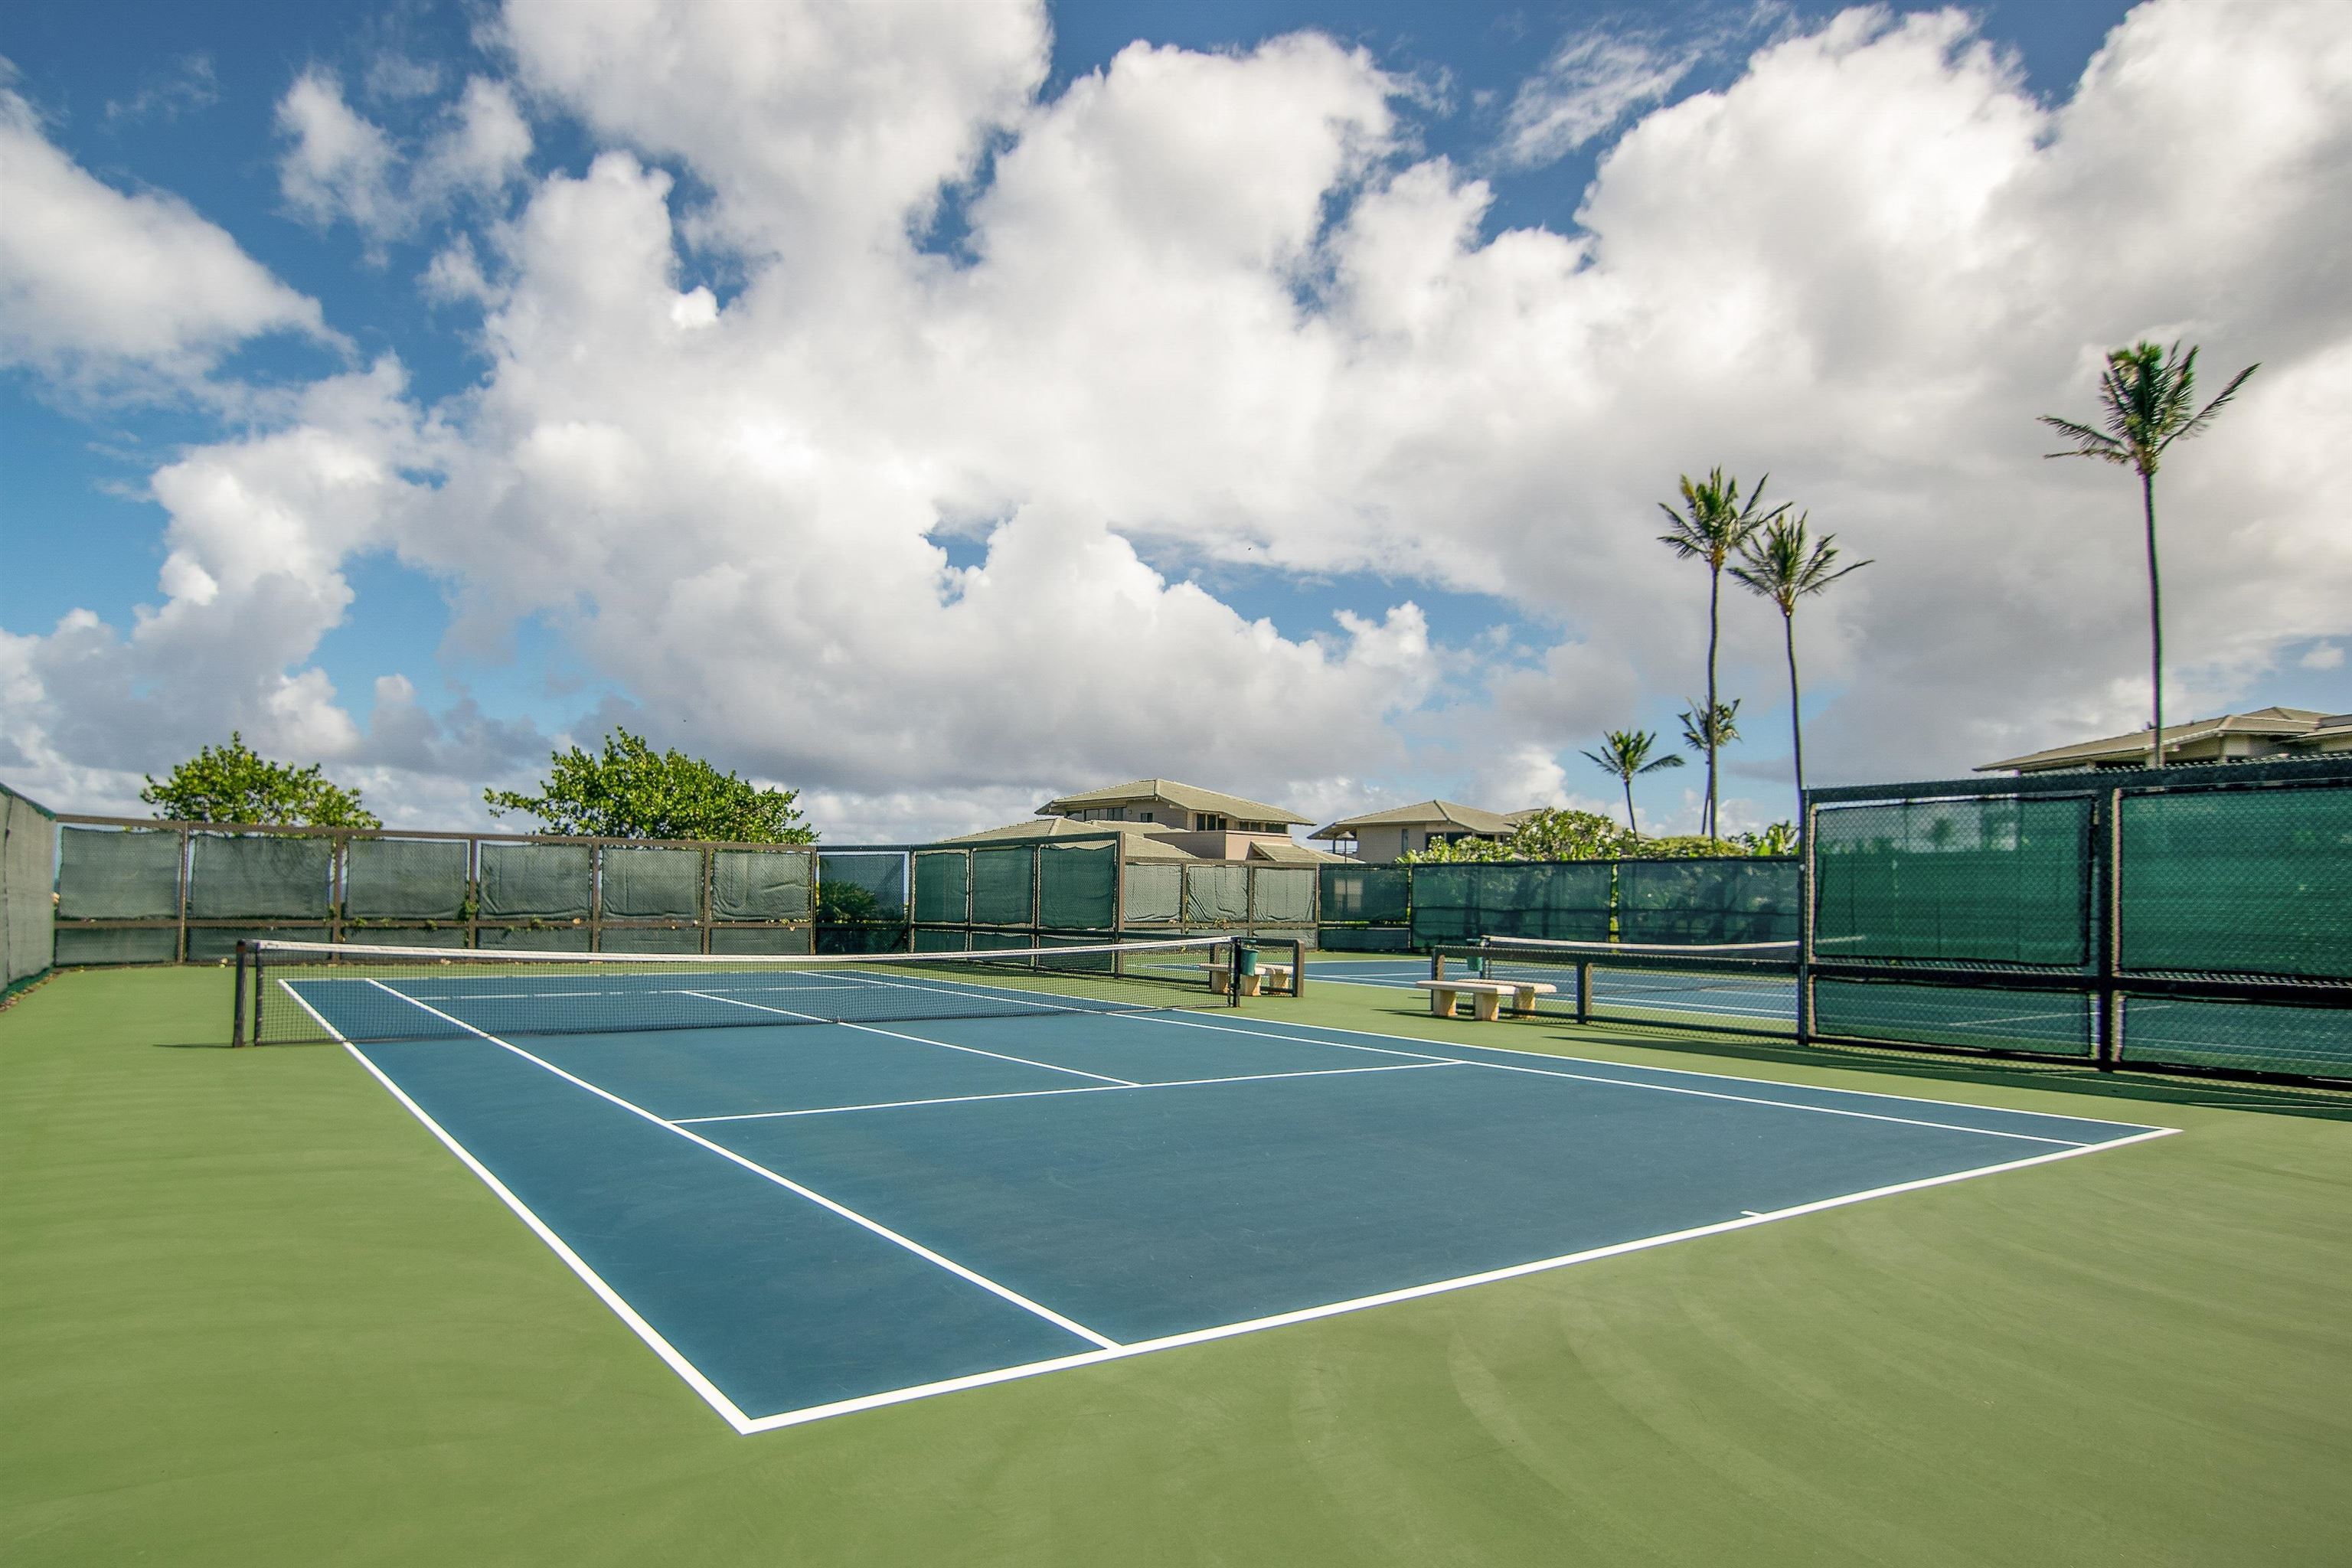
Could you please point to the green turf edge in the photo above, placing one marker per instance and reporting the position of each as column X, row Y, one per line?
column 254, row 1313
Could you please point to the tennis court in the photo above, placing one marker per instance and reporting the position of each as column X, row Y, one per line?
column 816, row 1188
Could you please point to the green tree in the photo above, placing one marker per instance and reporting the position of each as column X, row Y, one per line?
column 1624, row 754
column 1546, row 835
column 1778, row 838
column 1782, row 564
column 2147, row 393
column 1711, row 526
column 631, row 790
column 232, row 783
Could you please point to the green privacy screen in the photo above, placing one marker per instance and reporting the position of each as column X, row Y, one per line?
column 760, row 885
column 259, row 877
column 1977, row 1017
column 2254, row 882
column 1366, row 895
column 1078, row 887
column 1707, row 900
column 861, row 888
column 1564, row 900
column 113, row 874
column 1216, row 895
column 1004, row 887
column 28, row 844
column 2238, row 1037
column 1155, row 893
column 1998, row 880
column 652, row 884
column 942, row 891
column 406, row 879
column 1284, row 895
column 534, row 881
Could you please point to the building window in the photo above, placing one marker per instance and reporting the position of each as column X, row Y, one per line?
column 1207, row 822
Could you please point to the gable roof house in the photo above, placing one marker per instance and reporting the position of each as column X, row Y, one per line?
column 2266, row 734
column 1381, row 836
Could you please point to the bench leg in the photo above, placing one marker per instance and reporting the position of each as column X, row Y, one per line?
column 1220, row 979
column 1487, row 1005
column 1440, row 1003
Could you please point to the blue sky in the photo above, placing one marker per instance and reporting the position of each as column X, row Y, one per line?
column 1472, row 215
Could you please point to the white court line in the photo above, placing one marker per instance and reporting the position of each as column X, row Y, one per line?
column 727, row 1409
column 1675, row 1088
column 1044, row 1094
column 919, row 1039
column 811, row 1194
column 1386, row 1298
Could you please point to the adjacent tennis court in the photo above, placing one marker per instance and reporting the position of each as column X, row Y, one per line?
column 974, row 1180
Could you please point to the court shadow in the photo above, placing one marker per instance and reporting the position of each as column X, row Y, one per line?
column 253, row 1046
column 2061, row 1078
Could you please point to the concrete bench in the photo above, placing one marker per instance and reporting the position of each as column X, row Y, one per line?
column 1485, row 996
column 1221, row 979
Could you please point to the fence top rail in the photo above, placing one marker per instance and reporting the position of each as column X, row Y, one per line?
column 290, row 830
column 2095, row 781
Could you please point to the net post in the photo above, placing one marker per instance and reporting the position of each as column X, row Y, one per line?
column 1297, row 968
column 1437, row 964
column 1233, row 973
column 237, row 1000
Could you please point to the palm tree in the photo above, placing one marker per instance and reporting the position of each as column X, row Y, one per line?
column 1711, row 526
column 2147, row 393
column 1783, row 565
column 1624, row 753
column 1707, row 739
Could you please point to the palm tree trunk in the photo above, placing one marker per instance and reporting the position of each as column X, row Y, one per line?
column 1796, row 713
column 1631, row 827
column 2155, row 626
column 1713, row 596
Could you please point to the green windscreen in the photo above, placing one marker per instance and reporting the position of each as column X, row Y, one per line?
column 1567, row 901
column 111, row 874
column 1155, row 893
column 406, row 879
column 1216, row 895
column 2256, row 881
column 1284, row 895
column 1999, row 880
column 1366, row 895
column 1078, row 887
column 534, row 881
column 1004, row 887
column 942, row 886
column 760, row 885
column 1707, row 900
column 2045, row 1022
column 259, row 877
column 29, row 843
column 2241, row 1036
column 860, row 888
column 652, row 884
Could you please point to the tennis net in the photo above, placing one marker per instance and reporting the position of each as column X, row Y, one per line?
column 1747, row 987
column 291, row 991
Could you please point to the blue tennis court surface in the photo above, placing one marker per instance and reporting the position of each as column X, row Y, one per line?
column 813, row 1218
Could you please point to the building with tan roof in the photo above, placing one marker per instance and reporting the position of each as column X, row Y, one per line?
column 2265, row 734
column 1381, row 836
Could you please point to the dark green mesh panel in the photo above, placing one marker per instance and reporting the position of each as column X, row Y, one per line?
column 2003, row 881
column 1078, row 887
column 83, row 946
column 1216, row 895
column 761, row 885
column 650, row 939
column 1363, row 939
column 28, row 845
column 2050, row 1023
column 258, row 877
column 930, row 941
column 1366, row 895
column 406, row 879
column 854, row 888
column 760, row 939
column 1004, row 887
column 1707, row 900
column 2239, row 882
column 942, row 886
column 406, row 936
column 1155, row 893
column 537, row 938
column 652, row 884
column 1566, row 901
column 1285, row 894
column 214, row 944
column 106, row 874
column 2244, row 1036
column 547, row 882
